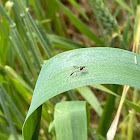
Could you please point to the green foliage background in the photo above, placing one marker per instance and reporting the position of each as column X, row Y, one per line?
column 33, row 31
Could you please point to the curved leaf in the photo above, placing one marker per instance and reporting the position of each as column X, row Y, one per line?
column 102, row 66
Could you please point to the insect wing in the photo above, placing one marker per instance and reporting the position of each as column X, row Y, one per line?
column 76, row 67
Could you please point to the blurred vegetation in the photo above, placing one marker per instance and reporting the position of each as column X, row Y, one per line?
column 33, row 31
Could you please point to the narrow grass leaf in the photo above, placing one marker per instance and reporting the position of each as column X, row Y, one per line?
column 124, row 5
column 7, row 114
column 14, row 37
column 23, row 92
column 78, row 8
column 79, row 25
column 13, row 106
column 91, row 99
column 134, row 4
column 64, row 43
column 40, row 37
column 31, row 41
column 16, row 76
column 136, row 107
column 106, row 118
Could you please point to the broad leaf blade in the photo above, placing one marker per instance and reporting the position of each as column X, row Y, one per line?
column 71, row 120
column 102, row 66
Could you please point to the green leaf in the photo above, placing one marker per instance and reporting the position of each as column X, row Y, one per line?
column 102, row 66
column 13, row 107
column 64, row 43
column 79, row 9
column 7, row 114
column 106, row 118
column 3, row 136
column 87, row 93
column 129, row 103
column 13, row 74
column 71, row 118
column 79, row 25
column 11, row 137
column 124, row 5
column 32, row 131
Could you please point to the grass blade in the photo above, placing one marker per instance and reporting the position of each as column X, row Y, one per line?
column 64, row 43
column 7, row 114
column 91, row 99
column 76, row 5
column 71, row 118
column 129, row 103
column 102, row 65
column 79, row 25
column 13, row 106
column 124, row 5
